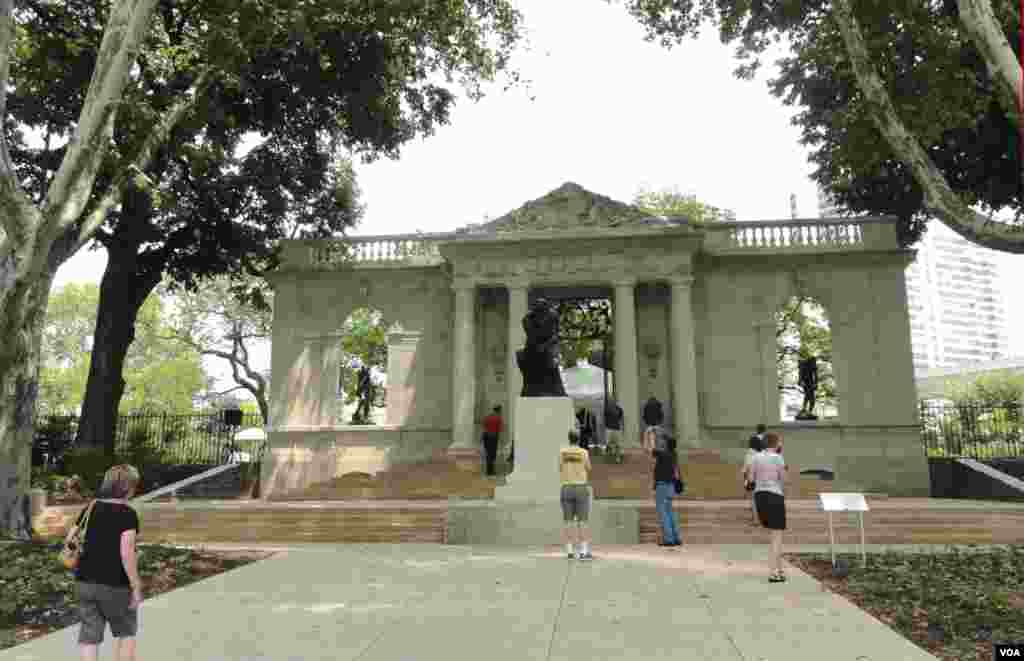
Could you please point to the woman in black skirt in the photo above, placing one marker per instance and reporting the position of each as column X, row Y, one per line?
column 768, row 472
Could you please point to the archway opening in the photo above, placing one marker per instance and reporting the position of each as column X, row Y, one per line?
column 362, row 369
column 803, row 343
column 586, row 345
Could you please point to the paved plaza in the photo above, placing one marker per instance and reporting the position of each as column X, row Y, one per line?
column 406, row 602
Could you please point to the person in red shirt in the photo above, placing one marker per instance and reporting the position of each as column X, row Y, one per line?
column 492, row 431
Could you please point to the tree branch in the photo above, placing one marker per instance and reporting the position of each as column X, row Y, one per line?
column 228, row 391
column 160, row 133
column 17, row 213
column 989, row 38
column 72, row 185
column 939, row 198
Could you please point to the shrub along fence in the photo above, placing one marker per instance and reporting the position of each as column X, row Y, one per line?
column 972, row 429
column 181, row 439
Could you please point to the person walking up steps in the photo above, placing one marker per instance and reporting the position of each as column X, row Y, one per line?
column 768, row 472
column 756, row 445
column 574, row 469
column 492, row 433
column 666, row 472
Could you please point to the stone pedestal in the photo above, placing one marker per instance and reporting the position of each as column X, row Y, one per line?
column 537, row 524
column 542, row 426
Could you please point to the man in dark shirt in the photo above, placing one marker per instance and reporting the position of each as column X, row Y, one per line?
column 666, row 470
column 653, row 414
column 613, row 424
column 757, row 439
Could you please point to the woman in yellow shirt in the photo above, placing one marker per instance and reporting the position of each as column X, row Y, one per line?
column 574, row 469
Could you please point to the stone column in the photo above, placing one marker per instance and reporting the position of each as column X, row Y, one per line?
column 768, row 371
column 330, row 361
column 463, row 367
column 625, row 372
column 684, row 365
column 402, row 345
column 517, row 308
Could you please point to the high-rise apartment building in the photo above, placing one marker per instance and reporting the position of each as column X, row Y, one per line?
column 957, row 309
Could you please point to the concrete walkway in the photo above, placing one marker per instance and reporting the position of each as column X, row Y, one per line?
column 433, row 603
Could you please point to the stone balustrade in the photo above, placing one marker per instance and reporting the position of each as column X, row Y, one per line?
column 802, row 236
column 826, row 235
column 370, row 251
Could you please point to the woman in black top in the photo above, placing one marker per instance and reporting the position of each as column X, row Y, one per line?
column 108, row 582
column 666, row 470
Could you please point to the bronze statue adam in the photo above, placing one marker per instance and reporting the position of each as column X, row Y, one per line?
column 809, row 384
column 538, row 360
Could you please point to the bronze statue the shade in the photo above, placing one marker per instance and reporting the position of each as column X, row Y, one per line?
column 808, row 368
column 538, row 360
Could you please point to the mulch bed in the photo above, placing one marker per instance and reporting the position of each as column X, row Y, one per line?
column 37, row 595
column 952, row 604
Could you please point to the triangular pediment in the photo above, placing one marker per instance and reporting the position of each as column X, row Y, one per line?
column 569, row 207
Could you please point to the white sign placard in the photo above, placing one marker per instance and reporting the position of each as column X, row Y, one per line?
column 843, row 502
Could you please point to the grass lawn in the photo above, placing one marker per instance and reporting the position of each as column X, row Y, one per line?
column 37, row 594
column 950, row 603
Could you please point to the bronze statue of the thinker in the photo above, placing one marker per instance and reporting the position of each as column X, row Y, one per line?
column 538, row 360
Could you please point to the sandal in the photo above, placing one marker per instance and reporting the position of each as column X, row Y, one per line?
column 777, row 577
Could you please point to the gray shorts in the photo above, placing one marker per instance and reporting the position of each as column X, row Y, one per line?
column 99, row 605
column 576, row 502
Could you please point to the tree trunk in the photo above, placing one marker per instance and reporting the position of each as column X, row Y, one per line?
column 21, row 325
column 261, row 401
column 122, row 293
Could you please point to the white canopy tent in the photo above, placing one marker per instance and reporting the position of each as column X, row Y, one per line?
column 585, row 385
column 250, row 434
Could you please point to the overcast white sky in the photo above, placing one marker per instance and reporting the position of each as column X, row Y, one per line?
column 611, row 113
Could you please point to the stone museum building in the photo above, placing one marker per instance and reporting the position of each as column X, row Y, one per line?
column 694, row 327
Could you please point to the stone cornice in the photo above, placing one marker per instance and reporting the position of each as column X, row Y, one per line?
column 539, row 270
column 403, row 338
column 590, row 233
column 681, row 280
column 308, row 338
column 771, row 260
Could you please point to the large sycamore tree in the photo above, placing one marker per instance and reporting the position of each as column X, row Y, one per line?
column 48, row 214
column 38, row 238
column 910, row 107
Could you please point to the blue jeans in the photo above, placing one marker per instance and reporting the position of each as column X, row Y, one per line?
column 663, row 494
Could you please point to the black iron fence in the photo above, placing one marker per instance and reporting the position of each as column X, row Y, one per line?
column 200, row 438
column 972, row 429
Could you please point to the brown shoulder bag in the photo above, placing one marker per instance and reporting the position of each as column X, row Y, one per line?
column 74, row 543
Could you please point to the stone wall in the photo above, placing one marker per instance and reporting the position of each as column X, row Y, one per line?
column 309, row 311
column 296, row 460
column 877, row 459
column 864, row 298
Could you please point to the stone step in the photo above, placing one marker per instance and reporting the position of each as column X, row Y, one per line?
column 435, row 479
column 730, row 524
column 890, row 521
column 706, row 474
